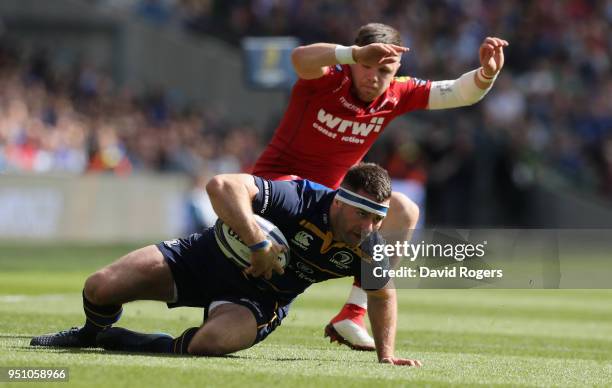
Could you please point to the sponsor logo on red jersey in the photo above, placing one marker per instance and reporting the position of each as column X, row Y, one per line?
column 354, row 131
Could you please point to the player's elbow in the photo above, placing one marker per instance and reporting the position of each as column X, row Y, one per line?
column 470, row 99
column 404, row 211
column 305, row 63
column 297, row 57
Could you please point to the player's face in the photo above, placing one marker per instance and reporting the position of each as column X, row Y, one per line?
column 353, row 225
column 369, row 82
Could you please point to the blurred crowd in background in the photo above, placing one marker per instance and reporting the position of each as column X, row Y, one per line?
column 552, row 105
column 82, row 122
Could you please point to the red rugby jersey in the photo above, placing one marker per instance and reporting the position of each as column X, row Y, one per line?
column 326, row 130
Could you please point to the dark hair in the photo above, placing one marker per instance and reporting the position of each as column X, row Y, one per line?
column 371, row 178
column 377, row 33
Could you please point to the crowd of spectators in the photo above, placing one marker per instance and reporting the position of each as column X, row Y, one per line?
column 82, row 122
column 551, row 106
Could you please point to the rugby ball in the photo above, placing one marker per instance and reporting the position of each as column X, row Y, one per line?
column 237, row 251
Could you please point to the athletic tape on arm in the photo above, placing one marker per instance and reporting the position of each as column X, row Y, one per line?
column 455, row 93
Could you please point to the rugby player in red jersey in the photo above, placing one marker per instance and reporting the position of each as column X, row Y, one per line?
column 341, row 103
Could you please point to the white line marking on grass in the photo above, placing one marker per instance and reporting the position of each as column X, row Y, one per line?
column 43, row 297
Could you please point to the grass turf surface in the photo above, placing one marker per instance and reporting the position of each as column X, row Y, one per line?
column 463, row 337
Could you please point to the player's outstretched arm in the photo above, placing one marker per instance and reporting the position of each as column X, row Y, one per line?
column 382, row 306
column 231, row 196
column 471, row 87
column 310, row 61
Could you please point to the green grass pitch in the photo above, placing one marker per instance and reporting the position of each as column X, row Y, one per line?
column 464, row 337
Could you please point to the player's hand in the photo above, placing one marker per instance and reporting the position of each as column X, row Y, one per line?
column 265, row 261
column 376, row 54
column 401, row 361
column 491, row 55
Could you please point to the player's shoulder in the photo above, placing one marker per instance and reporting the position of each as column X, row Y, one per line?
column 333, row 71
column 313, row 186
column 413, row 92
column 302, row 188
column 338, row 69
column 402, row 78
column 313, row 195
column 333, row 80
column 406, row 80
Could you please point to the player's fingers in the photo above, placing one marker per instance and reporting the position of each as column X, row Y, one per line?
column 397, row 50
column 400, row 49
column 499, row 54
column 276, row 249
column 387, row 52
column 259, row 271
column 278, row 268
column 387, row 60
column 389, row 49
column 487, row 54
column 253, row 271
column 498, row 42
column 502, row 42
column 492, row 41
column 407, row 362
column 488, row 46
column 268, row 274
column 401, row 361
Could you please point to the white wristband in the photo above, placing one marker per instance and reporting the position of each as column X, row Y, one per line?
column 344, row 55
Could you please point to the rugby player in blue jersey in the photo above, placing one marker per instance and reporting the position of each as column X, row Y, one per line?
column 331, row 234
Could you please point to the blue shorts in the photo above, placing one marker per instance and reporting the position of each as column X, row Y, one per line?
column 204, row 275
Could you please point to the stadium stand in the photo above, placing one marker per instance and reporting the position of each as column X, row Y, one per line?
column 551, row 107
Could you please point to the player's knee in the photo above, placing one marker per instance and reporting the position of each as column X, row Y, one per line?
column 219, row 336
column 97, row 288
column 211, row 344
column 404, row 209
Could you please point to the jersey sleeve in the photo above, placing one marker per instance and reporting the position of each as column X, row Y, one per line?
column 276, row 200
column 333, row 78
column 413, row 93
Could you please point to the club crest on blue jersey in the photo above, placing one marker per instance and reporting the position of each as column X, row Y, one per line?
column 342, row 259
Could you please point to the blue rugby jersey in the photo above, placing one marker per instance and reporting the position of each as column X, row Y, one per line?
column 300, row 209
